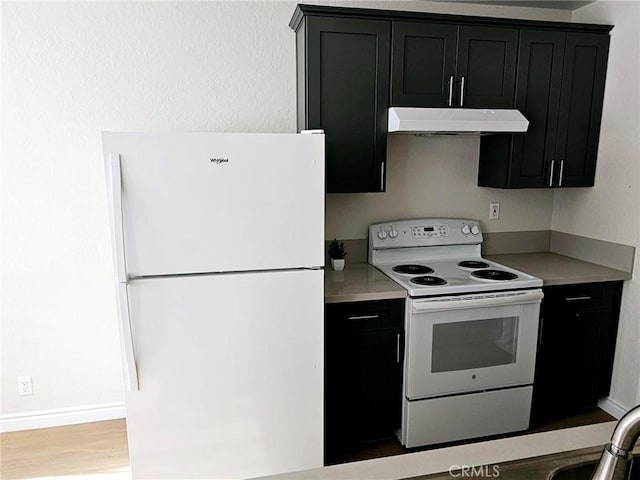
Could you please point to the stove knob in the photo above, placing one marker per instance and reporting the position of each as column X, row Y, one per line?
column 393, row 233
column 465, row 229
column 382, row 234
column 475, row 230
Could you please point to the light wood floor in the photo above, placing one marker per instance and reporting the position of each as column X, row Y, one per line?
column 98, row 451
column 91, row 451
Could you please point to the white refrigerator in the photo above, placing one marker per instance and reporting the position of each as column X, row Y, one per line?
column 219, row 246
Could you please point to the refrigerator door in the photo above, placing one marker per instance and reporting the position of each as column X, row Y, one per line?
column 205, row 202
column 230, row 370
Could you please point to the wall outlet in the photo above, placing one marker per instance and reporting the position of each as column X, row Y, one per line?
column 494, row 210
column 24, row 386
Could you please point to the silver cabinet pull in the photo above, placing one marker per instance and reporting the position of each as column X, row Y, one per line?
column 398, row 349
column 462, row 91
column 382, row 177
column 561, row 171
column 450, row 90
column 541, row 330
column 576, row 299
column 363, row 317
column 551, row 173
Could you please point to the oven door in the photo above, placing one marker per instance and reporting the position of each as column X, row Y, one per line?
column 471, row 343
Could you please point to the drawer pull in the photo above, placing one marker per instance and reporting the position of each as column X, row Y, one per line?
column 363, row 317
column 575, row 299
column 398, row 349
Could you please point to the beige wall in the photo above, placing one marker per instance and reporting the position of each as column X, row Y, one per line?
column 71, row 70
column 611, row 210
column 436, row 177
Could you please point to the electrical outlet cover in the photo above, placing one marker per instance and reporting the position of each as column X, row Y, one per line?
column 24, row 386
column 494, row 210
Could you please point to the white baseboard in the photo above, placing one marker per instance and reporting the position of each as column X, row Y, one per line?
column 612, row 407
column 61, row 416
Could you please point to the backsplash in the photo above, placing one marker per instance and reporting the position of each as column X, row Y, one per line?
column 436, row 177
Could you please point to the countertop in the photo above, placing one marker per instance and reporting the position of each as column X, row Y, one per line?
column 556, row 269
column 359, row 282
column 489, row 452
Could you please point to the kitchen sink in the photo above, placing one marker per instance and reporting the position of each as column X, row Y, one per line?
column 575, row 472
column 572, row 465
column 583, row 471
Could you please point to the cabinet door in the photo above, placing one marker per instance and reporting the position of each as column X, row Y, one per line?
column 576, row 347
column 537, row 97
column 422, row 64
column 581, row 98
column 348, row 97
column 486, row 67
column 363, row 374
column 572, row 357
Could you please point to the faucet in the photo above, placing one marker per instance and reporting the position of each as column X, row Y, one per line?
column 616, row 457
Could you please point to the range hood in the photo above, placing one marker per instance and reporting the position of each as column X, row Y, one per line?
column 434, row 121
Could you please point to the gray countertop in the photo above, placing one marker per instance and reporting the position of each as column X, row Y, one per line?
column 361, row 282
column 556, row 269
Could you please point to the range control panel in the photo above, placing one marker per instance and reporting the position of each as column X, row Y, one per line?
column 425, row 233
column 429, row 231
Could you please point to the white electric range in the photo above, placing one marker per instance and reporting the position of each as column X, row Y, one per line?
column 471, row 329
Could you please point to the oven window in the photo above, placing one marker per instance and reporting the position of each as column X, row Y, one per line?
column 474, row 344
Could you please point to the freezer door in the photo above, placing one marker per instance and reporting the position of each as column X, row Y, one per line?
column 230, row 371
column 203, row 202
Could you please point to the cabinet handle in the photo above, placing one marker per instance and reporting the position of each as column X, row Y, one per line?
column 462, row 91
column 450, row 90
column 576, row 299
column 382, row 176
column 551, row 173
column 398, row 349
column 561, row 171
column 363, row 317
column 541, row 330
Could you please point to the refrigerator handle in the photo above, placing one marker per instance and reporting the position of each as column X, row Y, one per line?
column 126, row 339
column 117, row 232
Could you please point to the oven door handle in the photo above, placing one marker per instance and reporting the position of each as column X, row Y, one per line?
column 450, row 303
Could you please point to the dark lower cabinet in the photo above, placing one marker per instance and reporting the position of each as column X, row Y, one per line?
column 578, row 326
column 363, row 372
column 560, row 89
column 343, row 88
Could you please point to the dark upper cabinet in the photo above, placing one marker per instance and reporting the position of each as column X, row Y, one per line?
column 486, row 69
column 560, row 89
column 581, row 99
column 354, row 63
column 423, row 64
column 440, row 65
column 343, row 88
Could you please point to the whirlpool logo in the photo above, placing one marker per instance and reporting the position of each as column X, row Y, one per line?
column 218, row 161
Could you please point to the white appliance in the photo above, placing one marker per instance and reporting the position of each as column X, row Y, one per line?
column 218, row 247
column 471, row 330
column 455, row 120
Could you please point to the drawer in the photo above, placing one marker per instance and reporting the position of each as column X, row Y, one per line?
column 583, row 296
column 370, row 315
